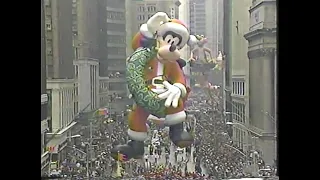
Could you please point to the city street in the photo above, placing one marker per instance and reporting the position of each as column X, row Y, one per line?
column 181, row 157
column 108, row 64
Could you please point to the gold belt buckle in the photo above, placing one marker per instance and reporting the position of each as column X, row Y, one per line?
column 157, row 85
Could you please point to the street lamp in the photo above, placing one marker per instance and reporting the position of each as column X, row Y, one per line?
column 275, row 131
column 270, row 116
column 255, row 170
column 243, row 154
column 232, row 113
column 74, row 136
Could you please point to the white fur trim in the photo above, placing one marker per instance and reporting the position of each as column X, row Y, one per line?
column 192, row 40
column 155, row 21
column 152, row 117
column 137, row 136
column 182, row 88
column 145, row 32
column 159, row 91
column 172, row 119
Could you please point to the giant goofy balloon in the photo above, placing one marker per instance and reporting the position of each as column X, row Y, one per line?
column 157, row 83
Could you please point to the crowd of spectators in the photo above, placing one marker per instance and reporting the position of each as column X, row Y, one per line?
column 106, row 132
column 214, row 149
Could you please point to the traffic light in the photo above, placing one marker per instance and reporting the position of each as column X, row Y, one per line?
column 50, row 148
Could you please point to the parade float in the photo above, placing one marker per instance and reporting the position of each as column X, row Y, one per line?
column 157, row 83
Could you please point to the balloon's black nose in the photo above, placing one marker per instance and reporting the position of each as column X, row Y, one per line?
column 172, row 48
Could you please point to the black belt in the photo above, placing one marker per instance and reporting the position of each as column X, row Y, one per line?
column 156, row 81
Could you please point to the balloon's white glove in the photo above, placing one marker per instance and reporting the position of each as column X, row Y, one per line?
column 172, row 95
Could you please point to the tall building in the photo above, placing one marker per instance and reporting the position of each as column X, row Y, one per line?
column 262, row 74
column 44, row 96
column 143, row 10
column 184, row 16
column 198, row 17
column 206, row 18
column 227, row 76
column 86, row 52
column 59, row 56
column 237, row 71
column 58, row 24
column 61, row 110
column 112, row 60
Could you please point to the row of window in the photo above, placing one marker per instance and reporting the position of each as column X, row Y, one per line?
column 116, row 51
column 238, row 88
column 116, row 39
column 116, row 74
column 117, row 86
column 93, row 77
column 113, row 86
column 239, row 136
column 239, row 112
column 67, row 100
column 148, row 9
column 196, row 73
column 116, row 64
column 116, row 15
column 143, row 17
column 116, row 27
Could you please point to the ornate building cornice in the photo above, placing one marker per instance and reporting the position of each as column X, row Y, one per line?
column 260, row 32
column 263, row 52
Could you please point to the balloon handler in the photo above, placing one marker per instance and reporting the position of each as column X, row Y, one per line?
column 157, row 83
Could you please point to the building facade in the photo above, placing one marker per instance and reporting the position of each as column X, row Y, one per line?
column 59, row 50
column 59, row 56
column 184, row 16
column 262, row 74
column 239, row 73
column 227, row 76
column 86, row 33
column 112, row 53
column 44, row 96
column 61, row 110
column 198, row 17
column 143, row 10
column 206, row 18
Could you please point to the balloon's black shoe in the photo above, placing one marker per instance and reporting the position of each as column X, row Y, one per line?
column 179, row 136
column 125, row 152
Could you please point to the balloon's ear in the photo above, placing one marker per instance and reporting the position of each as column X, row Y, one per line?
column 182, row 63
column 192, row 40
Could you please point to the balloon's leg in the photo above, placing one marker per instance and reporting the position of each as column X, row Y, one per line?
column 137, row 133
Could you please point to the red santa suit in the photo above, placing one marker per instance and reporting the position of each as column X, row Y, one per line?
column 155, row 73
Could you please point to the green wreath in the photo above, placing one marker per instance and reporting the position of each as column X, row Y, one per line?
column 137, row 86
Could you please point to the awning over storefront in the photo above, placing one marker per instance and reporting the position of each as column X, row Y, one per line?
column 59, row 140
column 64, row 129
column 45, row 160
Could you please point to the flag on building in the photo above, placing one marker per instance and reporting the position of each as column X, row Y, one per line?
column 103, row 112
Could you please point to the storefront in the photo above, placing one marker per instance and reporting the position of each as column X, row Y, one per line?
column 45, row 161
column 62, row 151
